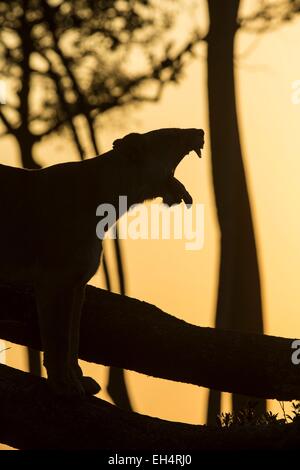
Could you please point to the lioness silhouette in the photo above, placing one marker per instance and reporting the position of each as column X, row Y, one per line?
column 48, row 231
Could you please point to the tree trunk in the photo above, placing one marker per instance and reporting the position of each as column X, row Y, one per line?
column 239, row 295
column 33, row 418
column 24, row 136
column 25, row 141
column 157, row 344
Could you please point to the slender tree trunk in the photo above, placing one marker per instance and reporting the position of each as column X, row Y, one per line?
column 116, row 382
column 25, row 144
column 239, row 295
column 34, row 419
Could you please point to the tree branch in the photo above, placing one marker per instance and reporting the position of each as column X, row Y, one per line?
column 124, row 332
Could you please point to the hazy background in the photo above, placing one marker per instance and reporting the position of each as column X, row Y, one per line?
column 182, row 282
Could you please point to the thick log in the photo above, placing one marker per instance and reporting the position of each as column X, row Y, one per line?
column 124, row 332
column 33, row 418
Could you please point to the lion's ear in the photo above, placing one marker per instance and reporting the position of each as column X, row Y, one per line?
column 131, row 146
